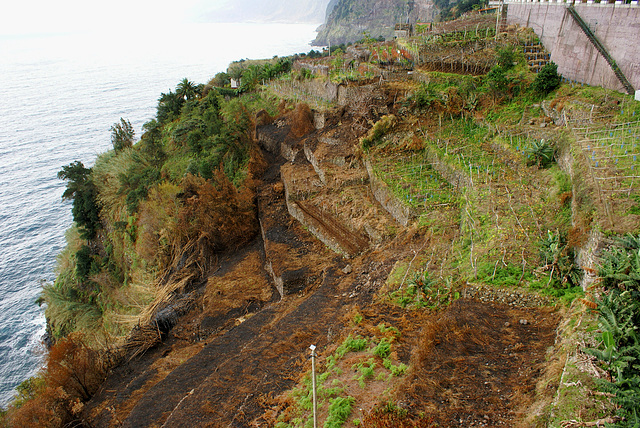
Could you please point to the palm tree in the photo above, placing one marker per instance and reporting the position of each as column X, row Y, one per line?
column 186, row 89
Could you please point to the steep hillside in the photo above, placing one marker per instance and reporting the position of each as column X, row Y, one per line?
column 295, row 11
column 457, row 235
column 350, row 19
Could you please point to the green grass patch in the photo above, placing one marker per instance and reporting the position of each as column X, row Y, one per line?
column 413, row 181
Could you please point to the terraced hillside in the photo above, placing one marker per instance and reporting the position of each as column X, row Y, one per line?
column 376, row 237
column 450, row 243
column 329, row 250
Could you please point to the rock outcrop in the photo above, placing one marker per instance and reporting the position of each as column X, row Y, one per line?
column 349, row 20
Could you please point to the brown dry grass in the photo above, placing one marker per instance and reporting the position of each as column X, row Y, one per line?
column 477, row 363
column 301, row 119
column 246, row 281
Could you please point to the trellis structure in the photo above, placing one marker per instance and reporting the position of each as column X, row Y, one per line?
column 612, row 154
column 292, row 90
column 413, row 179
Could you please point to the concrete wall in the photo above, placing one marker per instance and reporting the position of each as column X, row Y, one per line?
column 617, row 26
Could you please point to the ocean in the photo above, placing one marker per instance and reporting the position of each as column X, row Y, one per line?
column 60, row 95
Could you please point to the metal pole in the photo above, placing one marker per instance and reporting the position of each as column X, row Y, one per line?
column 313, row 385
column 498, row 17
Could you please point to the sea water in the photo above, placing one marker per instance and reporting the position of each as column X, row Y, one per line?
column 59, row 96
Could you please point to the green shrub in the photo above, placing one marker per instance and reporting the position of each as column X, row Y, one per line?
column 496, row 79
column 425, row 96
column 351, row 344
column 506, row 57
column 382, row 349
column 384, row 329
column 84, row 263
column 396, row 370
column 357, row 319
column 379, row 129
column 559, row 258
column 547, row 79
column 541, row 153
column 366, row 369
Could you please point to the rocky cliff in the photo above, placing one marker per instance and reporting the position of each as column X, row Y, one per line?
column 348, row 20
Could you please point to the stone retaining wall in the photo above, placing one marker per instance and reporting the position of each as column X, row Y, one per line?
column 381, row 192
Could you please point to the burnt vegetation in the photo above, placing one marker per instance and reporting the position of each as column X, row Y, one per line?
column 422, row 229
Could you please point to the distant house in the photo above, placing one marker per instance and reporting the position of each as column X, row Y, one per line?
column 402, row 31
column 235, row 84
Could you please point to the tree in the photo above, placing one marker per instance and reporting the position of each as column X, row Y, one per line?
column 122, row 135
column 236, row 70
column 169, row 106
column 83, row 192
column 251, row 77
column 186, row 90
column 221, row 80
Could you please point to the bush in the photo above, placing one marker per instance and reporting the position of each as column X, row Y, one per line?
column 506, row 57
column 214, row 214
column 497, row 80
column 542, row 153
column 54, row 398
column 382, row 349
column 84, row 263
column 379, row 129
column 301, row 120
column 351, row 344
column 425, row 96
column 547, row 79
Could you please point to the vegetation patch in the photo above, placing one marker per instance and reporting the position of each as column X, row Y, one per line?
column 346, row 378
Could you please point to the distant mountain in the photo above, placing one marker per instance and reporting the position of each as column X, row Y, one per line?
column 294, row 11
column 347, row 20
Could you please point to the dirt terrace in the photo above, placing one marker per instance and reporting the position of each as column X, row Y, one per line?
column 246, row 341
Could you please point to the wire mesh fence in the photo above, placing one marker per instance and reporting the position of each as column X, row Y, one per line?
column 612, row 155
column 415, row 181
column 297, row 92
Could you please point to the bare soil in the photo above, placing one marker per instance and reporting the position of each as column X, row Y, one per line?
column 229, row 360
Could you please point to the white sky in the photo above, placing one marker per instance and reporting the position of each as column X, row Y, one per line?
column 20, row 17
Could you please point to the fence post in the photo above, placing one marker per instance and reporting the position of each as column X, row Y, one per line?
column 313, row 384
